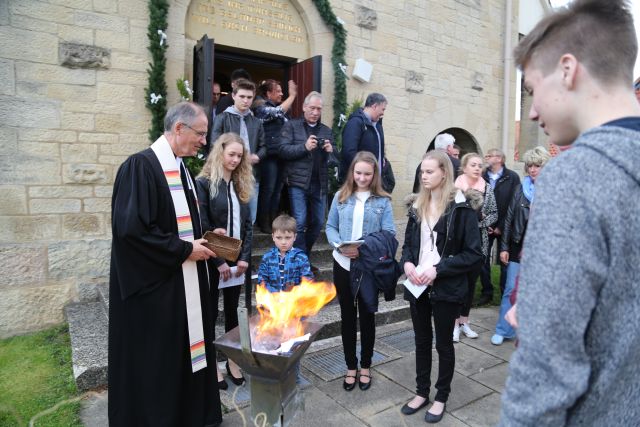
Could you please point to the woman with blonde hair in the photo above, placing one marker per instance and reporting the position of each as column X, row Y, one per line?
column 361, row 207
column 479, row 192
column 441, row 246
column 225, row 186
column 515, row 226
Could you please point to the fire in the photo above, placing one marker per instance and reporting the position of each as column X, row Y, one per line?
column 281, row 312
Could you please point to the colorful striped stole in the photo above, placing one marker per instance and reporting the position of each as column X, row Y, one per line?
column 171, row 168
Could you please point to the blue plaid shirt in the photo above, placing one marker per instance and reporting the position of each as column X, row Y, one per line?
column 296, row 266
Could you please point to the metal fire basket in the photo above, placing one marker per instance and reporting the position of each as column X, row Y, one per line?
column 271, row 377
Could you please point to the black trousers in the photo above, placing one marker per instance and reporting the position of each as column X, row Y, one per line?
column 349, row 308
column 231, row 298
column 485, row 274
column 444, row 315
column 472, row 278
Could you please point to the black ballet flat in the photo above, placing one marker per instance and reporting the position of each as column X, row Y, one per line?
column 365, row 386
column 432, row 419
column 408, row 410
column 222, row 385
column 346, row 385
column 236, row 381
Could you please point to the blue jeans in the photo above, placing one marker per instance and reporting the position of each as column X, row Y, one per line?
column 308, row 208
column 503, row 328
column 253, row 203
column 270, row 187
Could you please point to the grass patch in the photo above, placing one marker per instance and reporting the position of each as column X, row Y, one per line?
column 35, row 374
column 495, row 281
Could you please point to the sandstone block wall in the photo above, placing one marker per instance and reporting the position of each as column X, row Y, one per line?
column 63, row 133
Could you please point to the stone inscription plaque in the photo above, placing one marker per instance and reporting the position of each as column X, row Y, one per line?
column 271, row 26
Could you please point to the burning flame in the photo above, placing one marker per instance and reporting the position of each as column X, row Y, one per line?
column 281, row 312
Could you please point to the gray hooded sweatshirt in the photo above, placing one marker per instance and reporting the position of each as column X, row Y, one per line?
column 578, row 360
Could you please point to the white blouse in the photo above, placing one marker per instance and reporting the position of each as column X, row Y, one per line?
column 356, row 228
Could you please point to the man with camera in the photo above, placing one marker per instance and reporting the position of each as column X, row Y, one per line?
column 307, row 146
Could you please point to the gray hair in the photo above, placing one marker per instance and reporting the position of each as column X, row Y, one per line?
column 374, row 99
column 312, row 94
column 443, row 141
column 537, row 156
column 183, row 112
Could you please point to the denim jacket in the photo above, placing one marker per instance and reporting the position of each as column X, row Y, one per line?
column 296, row 266
column 378, row 216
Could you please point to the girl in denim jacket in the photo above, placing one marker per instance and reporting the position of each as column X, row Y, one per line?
column 359, row 208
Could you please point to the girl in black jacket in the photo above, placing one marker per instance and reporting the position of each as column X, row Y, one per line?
column 225, row 186
column 442, row 245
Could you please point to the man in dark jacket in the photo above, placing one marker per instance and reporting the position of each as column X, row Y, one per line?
column 504, row 182
column 227, row 101
column 363, row 132
column 239, row 119
column 306, row 146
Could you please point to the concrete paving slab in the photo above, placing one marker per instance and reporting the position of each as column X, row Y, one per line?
column 382, row 395
column 481, row 413
column 320, row 411
column 483, row 342
column 463, row 389
column 394, row 418
column 470, row 360
column 94, row 410
column 494, row 377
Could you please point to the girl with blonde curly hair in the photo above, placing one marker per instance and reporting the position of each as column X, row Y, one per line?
column 225, row 186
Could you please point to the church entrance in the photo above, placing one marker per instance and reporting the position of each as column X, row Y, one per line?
column 215, row 63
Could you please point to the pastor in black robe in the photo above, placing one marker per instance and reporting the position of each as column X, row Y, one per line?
column 150, row 377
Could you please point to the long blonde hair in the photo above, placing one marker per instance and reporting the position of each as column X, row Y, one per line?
column 448, row 192
column 242, row 176
column 349, row 186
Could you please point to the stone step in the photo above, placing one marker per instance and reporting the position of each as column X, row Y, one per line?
column 262, row 241
column 388, row 312
column 321, row 252
column 88, row 329
column 103, row 297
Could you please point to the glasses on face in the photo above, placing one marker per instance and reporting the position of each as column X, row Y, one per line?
column 200, row 134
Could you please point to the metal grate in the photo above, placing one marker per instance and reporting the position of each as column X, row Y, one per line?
column 402, row 341
column 330, row 365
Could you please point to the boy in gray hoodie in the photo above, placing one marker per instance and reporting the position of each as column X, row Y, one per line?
column 579, row 298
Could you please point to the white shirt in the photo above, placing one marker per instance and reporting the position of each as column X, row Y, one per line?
column 356, row 227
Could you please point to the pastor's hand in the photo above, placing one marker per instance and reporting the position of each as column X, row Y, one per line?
column 200, row 252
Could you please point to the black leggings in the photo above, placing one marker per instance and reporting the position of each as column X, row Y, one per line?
column 349, row 312
column 472, row 278
column 444, row 315
column 231, row 298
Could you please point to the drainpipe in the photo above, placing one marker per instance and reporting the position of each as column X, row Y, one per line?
column 508, row 65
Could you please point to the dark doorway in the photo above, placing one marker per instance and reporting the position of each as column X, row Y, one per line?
column 464, row 140
column 219, row 61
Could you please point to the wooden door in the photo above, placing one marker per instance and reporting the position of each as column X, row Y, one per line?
column 308, row 76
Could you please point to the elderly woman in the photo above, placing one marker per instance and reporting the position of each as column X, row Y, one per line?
column 515, row 226
column 482, row 199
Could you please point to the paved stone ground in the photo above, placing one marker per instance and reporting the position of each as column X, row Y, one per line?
column 481, row 370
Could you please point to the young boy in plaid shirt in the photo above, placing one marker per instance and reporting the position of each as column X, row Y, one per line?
column 283, row 266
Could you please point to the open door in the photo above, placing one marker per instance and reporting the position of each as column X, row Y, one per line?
column 203, row 75
column 308, row 76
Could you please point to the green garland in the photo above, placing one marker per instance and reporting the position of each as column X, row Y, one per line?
column 337, row 58
column 158, row 11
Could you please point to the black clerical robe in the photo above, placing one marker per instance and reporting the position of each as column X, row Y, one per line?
column 150, row 377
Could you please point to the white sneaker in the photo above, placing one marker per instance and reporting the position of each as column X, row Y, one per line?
column 456, row 334
column 469, row 333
